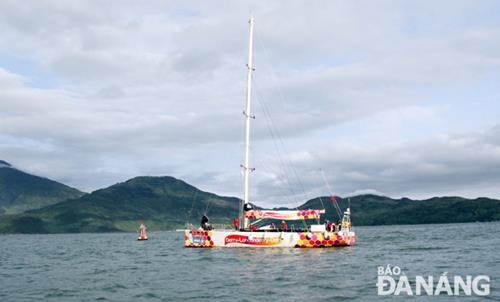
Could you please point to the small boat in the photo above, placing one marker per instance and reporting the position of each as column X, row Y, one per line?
column 248, row 235
column 142, row 232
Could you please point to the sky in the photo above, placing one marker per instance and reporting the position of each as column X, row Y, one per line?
column 400, row 98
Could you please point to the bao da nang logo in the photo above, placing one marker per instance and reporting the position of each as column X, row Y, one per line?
column 392, row 280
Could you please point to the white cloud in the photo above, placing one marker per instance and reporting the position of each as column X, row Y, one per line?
column 158, row 88
column 467, row 163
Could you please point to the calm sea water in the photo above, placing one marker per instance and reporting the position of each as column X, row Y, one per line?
column 116, row 267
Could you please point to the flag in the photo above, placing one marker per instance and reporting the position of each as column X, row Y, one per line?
column 333, row 198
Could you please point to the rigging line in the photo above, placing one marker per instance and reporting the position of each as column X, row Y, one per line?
column 280, row 140
column 282, row 165
column 282, row 185
column 322, row 204
column 278, row 151
column 192, row 206
column 274, row 134
column 284, row 194
column 282, row 99
column 209, row 203
column 335, row 204
column 336, row 210
column 286, row 184
column 268, row 57
column 321, row 201
column 259, row 163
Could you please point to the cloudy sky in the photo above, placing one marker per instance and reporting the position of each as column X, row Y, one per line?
column 400, row 98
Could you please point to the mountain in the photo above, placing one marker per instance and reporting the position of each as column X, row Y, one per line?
column 167, row 203
column 380, row 210
column 163, row 202
column 20, row 191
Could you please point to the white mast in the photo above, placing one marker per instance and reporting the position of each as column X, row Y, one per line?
column 248, row 117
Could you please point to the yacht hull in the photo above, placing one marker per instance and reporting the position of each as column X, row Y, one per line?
column 224, row 238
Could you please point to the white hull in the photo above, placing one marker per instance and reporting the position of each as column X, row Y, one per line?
column 224, row 238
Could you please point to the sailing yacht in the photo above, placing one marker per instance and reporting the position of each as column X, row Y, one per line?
column 248, row 235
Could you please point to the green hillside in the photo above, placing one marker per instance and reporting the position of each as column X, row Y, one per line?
column 163, row 202
column 20, row 191
column 167, row 203
column 381, row 210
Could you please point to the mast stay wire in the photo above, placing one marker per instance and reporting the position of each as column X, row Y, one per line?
column 252, row 150
column 192, row 207
column 281, row 95
column 284, row 164
column 282, row 100
column 208, row 206
column 335, row 204
column 277, row 137
column 281, row 186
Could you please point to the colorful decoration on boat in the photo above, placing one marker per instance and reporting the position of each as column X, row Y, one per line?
column 284, row 215
column 197, row 238
column 327, row 239
column 250, row 240
column 209, row 239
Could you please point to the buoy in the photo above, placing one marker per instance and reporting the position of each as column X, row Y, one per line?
column 142, row 232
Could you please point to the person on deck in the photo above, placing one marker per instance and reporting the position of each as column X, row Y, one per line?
column 253, row 228
column 236, row 223
column 338, row 225
column 204, row 223
column 329, row 226
column 283, row 226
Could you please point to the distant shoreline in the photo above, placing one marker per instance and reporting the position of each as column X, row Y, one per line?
column 175, row 231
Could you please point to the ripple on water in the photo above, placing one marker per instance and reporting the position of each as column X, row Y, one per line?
column 146, row 295
column 115, row 267
column 114, row 288
column 56, row 292
column 423, row 248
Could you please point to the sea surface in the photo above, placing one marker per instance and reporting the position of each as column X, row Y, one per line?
column 117, row 267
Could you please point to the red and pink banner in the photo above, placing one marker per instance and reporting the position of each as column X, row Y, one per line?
column 284, row 215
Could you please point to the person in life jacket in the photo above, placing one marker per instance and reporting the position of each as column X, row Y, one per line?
column 236, row 223
column 253, row 228
column 283, row 225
